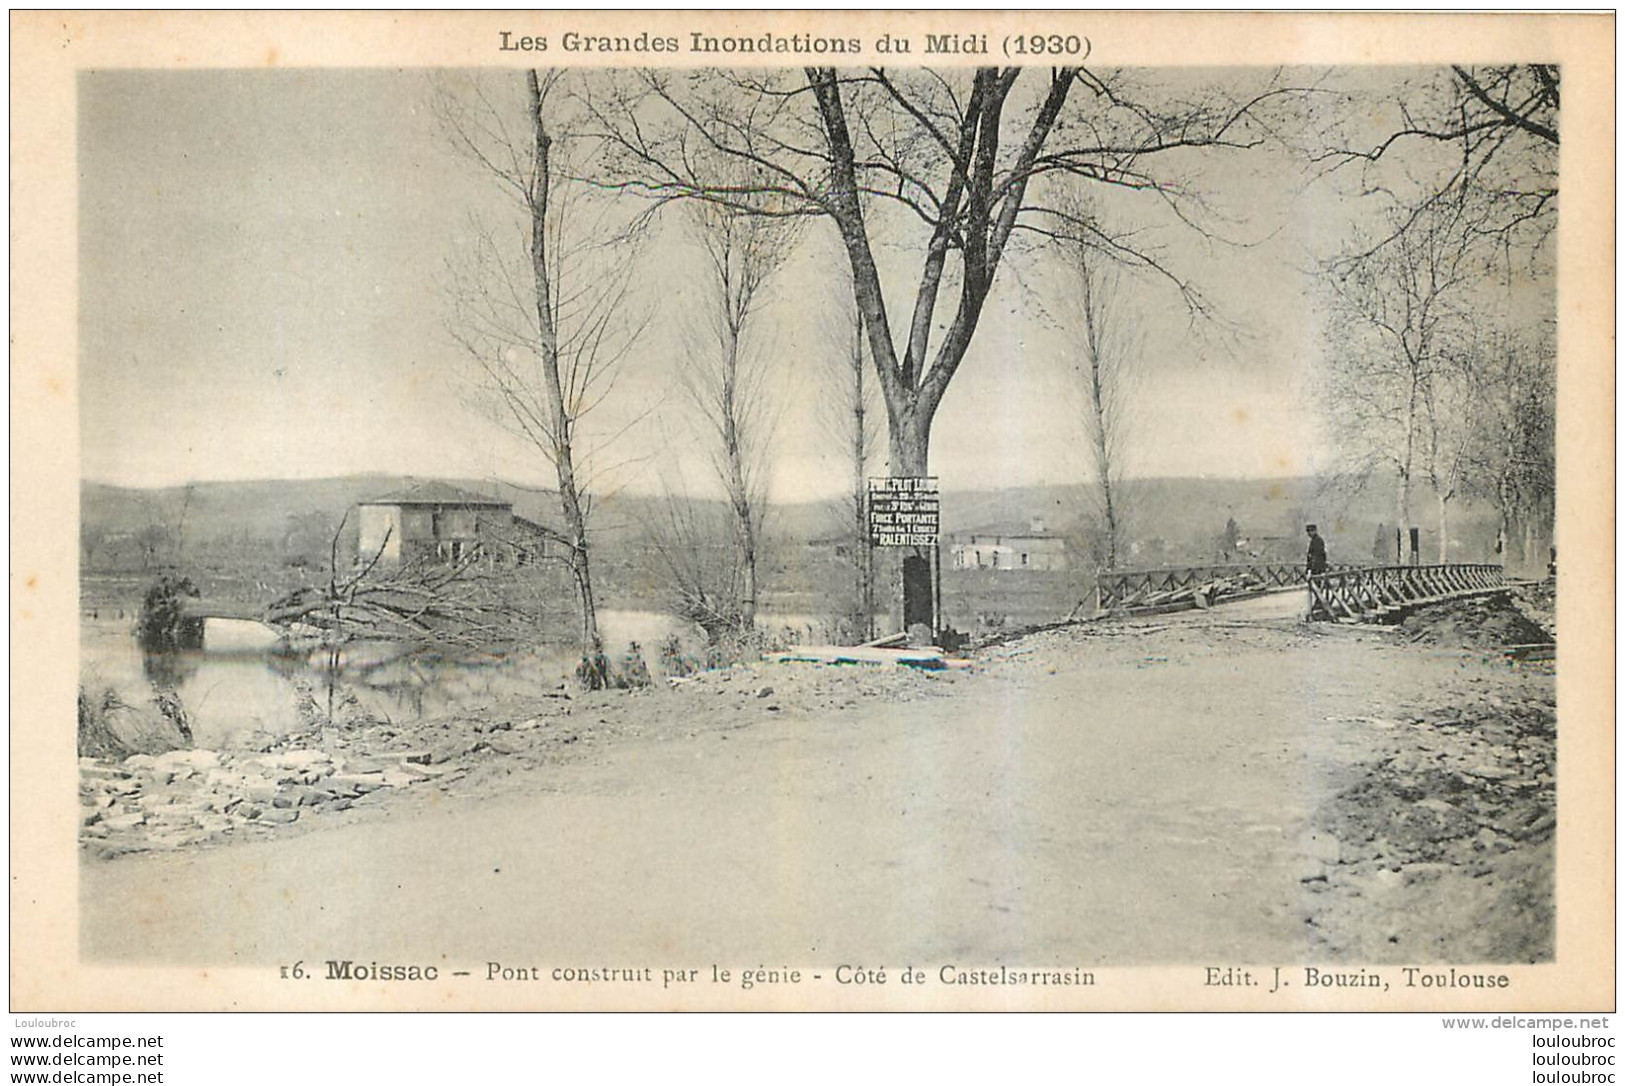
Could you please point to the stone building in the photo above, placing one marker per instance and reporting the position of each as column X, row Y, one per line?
column 1029, row 548
column 437, row 522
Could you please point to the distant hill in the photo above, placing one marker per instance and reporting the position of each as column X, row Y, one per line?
column 282, row 520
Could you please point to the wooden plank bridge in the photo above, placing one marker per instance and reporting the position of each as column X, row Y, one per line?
column 1342, row 594
column 1382, row 593
column 1193, row 586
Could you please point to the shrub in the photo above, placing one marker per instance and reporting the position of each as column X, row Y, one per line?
column 97, row 739
column 634, row 670
column 593, row 672
column 162, row 624
column 674, row 661
column 112, row 729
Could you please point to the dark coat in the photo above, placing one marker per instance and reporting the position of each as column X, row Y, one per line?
column 1317, row 554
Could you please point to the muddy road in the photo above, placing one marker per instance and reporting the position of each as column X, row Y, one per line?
column 1172, row 791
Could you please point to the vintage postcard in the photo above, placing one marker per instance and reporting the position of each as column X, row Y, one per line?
column 705, row 510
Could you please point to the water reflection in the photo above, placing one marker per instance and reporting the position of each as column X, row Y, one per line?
column 242, row 699
column 169, row 670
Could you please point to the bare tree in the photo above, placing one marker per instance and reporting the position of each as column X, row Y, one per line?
column 1449, row 423
column 691, row 542
column 1465, row 161
column 1512, row 460
column 461, row 602
column 457, row 603
column 1394, row 316
column 1490, row 132
column 726, row 371
column 1490, row 428
column 953, row 151
column 1109, row 347
column 849, row 414
column 542, row 308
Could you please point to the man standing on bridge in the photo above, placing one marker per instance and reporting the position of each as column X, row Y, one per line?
column 1317, row 551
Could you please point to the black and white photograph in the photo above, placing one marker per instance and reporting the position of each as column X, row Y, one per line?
column 768, row 513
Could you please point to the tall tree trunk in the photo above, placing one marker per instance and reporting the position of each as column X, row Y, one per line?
column 1405, row 470
column 1403, row 508
column 580, row 567
column 910, row 444
column 911, row 390
column 1094, row 302
column 733, row 450
column 575, row 521
column 747, row 556
column 1103, row 462
column 1111, row 529
column 1444, row 529
column 862, row 552
column 1502, row 501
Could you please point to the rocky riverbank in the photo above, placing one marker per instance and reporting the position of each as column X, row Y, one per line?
column 194, row 797
column 197, row 798
column 1462, row 797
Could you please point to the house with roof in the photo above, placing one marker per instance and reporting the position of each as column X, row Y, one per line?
column 438, row 522
column 1030, row 547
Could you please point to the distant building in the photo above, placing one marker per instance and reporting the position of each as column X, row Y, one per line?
column 437, row 522
column 1013, row 547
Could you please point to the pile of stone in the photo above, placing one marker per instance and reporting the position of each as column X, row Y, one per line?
column 188, row 797
column 1484, row 622
column 1466, row 783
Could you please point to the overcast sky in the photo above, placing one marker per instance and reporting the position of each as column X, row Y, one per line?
column 263, row 254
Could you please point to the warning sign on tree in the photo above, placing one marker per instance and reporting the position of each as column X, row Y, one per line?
column 904, row 511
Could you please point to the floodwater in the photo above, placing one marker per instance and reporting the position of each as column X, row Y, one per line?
column 241, row 698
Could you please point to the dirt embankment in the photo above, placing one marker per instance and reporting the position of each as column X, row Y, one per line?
column 1446, row 840
column 1443, row 848
column 1526, row 617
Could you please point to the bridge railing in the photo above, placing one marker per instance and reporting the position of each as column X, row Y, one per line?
column 1372, row 592
column 1129, row 589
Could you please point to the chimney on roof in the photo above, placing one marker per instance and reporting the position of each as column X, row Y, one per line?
column 1037, row 525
